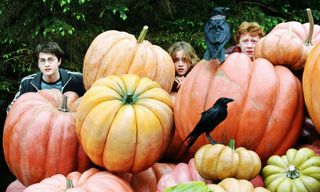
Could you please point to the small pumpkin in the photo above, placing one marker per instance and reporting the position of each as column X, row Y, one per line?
column 92, row 180
column 237, row 185
column 289, row 43
column 226, row 185
column 125, row 123
column 218, row 161
column 15, row 186
column 297, row 170
column 39, row 137
column 116, row 52
column 194, row 186
column 182, row 173
column 147, row 180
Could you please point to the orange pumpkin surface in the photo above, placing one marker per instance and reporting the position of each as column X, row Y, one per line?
column 39, row 140
column 91, row 180
column 116, row 53
column 311, row 84
column 289, row 43
column 125, row 123
column 266, row 114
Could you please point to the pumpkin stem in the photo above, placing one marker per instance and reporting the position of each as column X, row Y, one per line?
column 64, row 106
column 129, row 99
column 69, row 184
column 232, row 144
column 292, row 172
column 311, row 27
column 143, row 34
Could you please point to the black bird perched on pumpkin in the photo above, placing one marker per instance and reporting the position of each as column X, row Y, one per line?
column 217, row 34
column 209, row 120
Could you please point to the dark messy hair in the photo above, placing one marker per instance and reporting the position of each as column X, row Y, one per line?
column 49, row 47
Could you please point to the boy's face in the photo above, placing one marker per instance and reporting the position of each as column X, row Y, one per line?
column 48, row 64
column 247, row 42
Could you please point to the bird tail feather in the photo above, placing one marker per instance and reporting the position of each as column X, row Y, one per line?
column 190, row 140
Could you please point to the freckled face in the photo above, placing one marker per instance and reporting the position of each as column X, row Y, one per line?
column 247, row 43
column 181, row 63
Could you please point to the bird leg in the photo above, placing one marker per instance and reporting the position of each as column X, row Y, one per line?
column 210, row 139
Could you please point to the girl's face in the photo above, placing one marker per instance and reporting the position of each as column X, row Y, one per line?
column 247, row 43
column 181, row 63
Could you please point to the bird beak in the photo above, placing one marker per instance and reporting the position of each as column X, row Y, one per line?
column 229, row 100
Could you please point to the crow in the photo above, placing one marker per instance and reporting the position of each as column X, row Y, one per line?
column 217, row 34
column 209, row 120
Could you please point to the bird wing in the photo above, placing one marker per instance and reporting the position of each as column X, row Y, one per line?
column 205, row 123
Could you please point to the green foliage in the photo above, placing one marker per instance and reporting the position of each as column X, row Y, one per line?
column 75, row 23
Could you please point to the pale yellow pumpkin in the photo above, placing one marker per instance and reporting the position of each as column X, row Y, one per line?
column 218, row 162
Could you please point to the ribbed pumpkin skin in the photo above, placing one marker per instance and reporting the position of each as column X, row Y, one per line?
column 120, row 135
column 235, row 185
column 182, row 173
column 266, row 114
column 311, row 84
column 39, row 140
column 298, row 29
column 285, row 44
column 147, row 180
column 297, row 170
column 116, row 53
column 91, row 180
column 217, row 162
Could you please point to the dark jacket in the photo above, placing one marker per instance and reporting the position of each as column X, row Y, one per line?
column 71, row 81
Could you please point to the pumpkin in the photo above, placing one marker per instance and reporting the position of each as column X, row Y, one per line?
column 15, row 186
column 217, row 162
column 125, row 123
column 91, row 180
column 266, row 114
column 289, row 43
column 147, row 180
column 39, row 138
column 297, row 170
column 194, row 186
column 176, row 151
column 235, row 185
column 182, row 173
column 315, row 146
column 116, row 52
column 226, row 185
column 311, row 84
column 257, row 181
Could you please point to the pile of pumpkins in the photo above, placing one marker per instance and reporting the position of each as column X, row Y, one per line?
column 126, row 133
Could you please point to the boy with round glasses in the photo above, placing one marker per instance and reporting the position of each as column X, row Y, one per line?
column 50, row 76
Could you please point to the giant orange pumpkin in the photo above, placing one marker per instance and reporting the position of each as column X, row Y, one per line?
column 39, row 138
column 116, row 53
column 266, row 114
column 289, row 43
column 311, row 85
column 125, row 123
